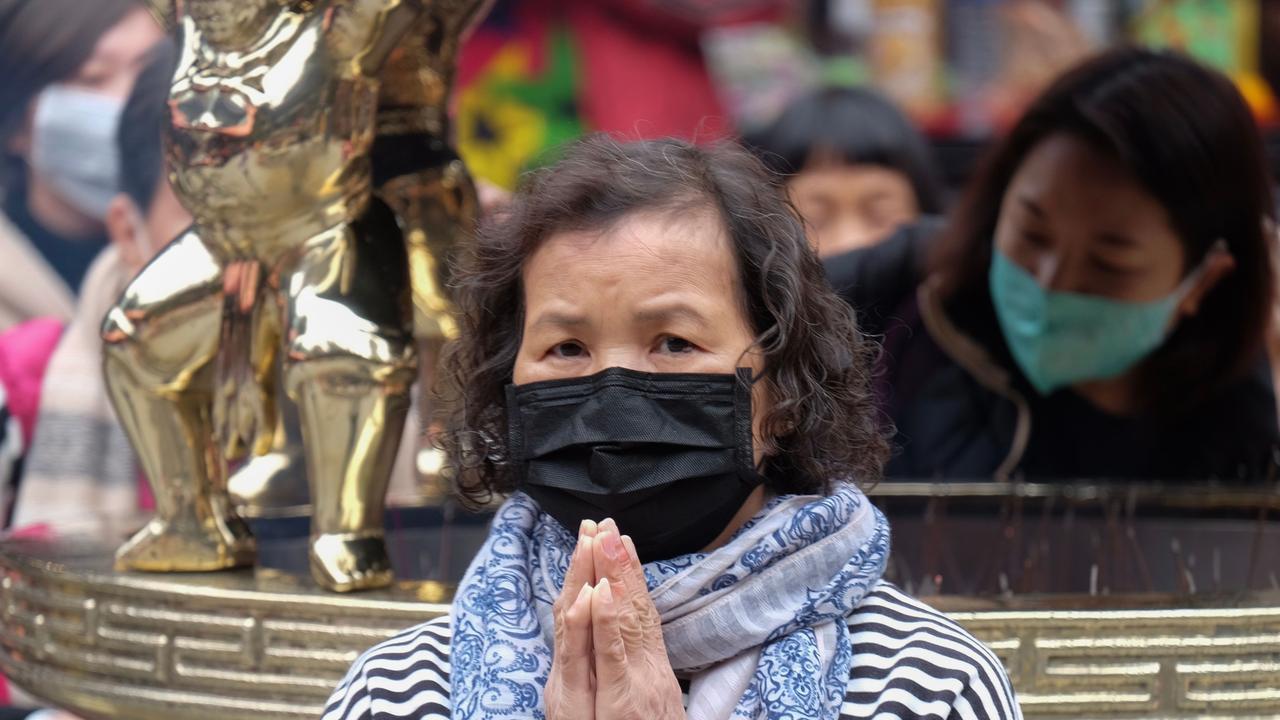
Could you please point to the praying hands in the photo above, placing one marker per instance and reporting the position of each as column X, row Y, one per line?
column 610, row 662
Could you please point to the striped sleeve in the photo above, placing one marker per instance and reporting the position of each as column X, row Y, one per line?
column 404, row 677
column 910, row 661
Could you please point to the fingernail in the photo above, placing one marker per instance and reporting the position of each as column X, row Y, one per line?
column 588, row 528
column 584, row 592
column 612, row 545
column 608, row 524
column 585, row 544
column 606, row 593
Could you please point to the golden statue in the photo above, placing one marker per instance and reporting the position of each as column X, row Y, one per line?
column 294, row 275
column 416, row 172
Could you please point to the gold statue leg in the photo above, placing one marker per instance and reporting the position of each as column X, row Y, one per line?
column 277, row 481
column 349, row 362
column 159, row 342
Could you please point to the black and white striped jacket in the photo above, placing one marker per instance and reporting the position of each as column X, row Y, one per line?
column 910, row 661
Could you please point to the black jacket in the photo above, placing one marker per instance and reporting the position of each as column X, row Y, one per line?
column 962, row 411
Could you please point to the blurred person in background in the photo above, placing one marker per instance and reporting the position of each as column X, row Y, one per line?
column 79, row 467
column 65, row 69
column 1096, row 307
column 856, row 167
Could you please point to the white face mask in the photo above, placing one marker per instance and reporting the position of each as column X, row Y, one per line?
column 74, row 146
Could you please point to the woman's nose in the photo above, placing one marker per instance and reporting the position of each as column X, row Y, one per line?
column 630, row 358
column 1048, row 270
column 848, row 234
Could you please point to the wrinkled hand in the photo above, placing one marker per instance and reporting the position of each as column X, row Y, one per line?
column 610, row 660
column 570, row 691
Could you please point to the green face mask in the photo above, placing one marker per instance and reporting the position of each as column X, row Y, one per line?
column 1059, row 338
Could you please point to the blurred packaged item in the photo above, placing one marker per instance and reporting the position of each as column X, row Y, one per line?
column 973, row 33
column 758, row 70
column 839, row 27
column 1041, row 40
column 906, row 54
column 1098, row 20
column 1220, row 33
column 853, row 18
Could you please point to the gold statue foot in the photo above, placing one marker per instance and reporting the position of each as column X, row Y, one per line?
column 160, row 547
column 344, row 562
column 269, row 484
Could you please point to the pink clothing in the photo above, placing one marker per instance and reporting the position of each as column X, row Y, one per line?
column 25, row 350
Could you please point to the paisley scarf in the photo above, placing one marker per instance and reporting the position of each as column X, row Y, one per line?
column 758, row 626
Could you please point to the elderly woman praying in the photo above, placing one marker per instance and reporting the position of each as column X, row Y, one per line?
column 677, row 408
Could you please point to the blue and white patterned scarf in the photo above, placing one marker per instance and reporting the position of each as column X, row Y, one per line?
column 758, row 625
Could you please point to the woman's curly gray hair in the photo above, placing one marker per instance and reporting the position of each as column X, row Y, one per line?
column 821, row 427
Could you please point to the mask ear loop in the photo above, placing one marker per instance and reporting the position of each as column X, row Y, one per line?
column 515, row 436
column 744, row 448
column 1219, row 247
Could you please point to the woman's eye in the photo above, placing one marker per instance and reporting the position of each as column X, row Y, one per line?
column 571, row 349
column 676, row 345
column 1036, row 239
column 93, row 77
column 817, row 219
column 1111, row 269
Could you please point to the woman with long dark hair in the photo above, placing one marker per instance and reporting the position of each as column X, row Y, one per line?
column 66, row 67
column 1096, row 306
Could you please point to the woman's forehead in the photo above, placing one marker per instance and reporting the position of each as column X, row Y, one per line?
column 665, row 242
column 1066, row 181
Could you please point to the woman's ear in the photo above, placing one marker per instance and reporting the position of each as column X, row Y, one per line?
column 127, row 230
column 1217, row 266
column 19, row 142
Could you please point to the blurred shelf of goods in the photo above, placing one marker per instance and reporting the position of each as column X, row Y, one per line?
column 965, row 69
column 539, row 72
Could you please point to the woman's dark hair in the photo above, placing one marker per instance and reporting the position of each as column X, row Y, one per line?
column 142, row 124
column 44, row 42
column 1186, row 135
column 855, row 126
column 821, row 427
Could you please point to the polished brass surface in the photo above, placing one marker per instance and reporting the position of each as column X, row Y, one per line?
column 293, row 276
column 433, row 198
column 274, row 483
column 160, row 343
column 1167, row 495
column 431, row 192
column 260, row 644
column 428, row 187
column 230, row 645
column 1149, row 663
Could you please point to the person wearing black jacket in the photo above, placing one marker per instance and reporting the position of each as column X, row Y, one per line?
column 1096, row 307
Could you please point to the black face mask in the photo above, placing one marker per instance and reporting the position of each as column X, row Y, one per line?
column 666, row 455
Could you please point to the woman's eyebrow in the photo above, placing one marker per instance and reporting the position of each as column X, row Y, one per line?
column 1031, row 206
column 1116, row 239
column 668, row 312
column 557, row 318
